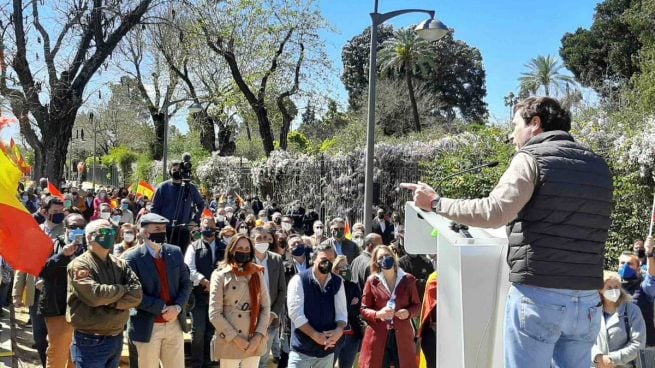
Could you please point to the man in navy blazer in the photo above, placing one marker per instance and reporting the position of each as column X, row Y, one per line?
column 158, row 324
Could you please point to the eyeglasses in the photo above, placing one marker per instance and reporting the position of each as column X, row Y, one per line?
column 103, row 231
column 75, row 227
column 319, row 227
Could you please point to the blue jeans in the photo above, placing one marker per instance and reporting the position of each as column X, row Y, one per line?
column 550, row 327
column 346, row 352
column 91, row 351
column 272, row 332
column 298, row 360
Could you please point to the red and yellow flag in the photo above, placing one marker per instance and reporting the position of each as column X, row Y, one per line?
column 206, row 213
column 143, row 189
column 347, row 231
column 22, row 243
column 429, row 307
column 54, row 191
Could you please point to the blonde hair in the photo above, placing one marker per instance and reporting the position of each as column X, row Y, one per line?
column 612, row 275
column 337, row 261
column 374, row 258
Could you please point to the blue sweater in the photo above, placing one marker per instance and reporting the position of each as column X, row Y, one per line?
column 166, row 200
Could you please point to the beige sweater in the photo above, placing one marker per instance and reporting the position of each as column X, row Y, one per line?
column 511, row 194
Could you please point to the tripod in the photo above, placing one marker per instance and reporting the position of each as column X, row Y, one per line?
column 178, row 233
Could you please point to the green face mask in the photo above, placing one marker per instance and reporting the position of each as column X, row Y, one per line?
column 106, row 238
column 197, row 235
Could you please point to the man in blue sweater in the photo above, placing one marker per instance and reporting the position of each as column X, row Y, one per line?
column 181, row 203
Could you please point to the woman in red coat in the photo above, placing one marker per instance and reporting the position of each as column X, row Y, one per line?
column 389, row 301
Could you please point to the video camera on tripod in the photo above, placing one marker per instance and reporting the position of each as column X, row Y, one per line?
column 186, row 166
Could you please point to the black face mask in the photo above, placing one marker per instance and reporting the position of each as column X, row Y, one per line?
column 57, row 218
column 325, row 267
column 641, row 253
column 159, row 238
column 241, row 257
column 298, row 252
column 176, row 175
column 278, row 221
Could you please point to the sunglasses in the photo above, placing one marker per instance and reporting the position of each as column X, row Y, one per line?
column 106, row 232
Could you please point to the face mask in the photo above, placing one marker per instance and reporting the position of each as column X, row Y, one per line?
column 627, row 273
column 286, row 226
column 68, row 204
column 24, row 198
column 261, row 247
column 381, row 216
column 227, row 239
column 102, row 195
column 57, row 218
column 318, row 232
column 220, row 218
column 612, row 295
column 197, row 235
column 641, row 253
column 242, row 257
column 228, row 215
column 107, row 240
column 337, row 234
column 387, row 263
column 208, row 233
column 346, row 274
column 231, row 202
column 158, row 238
column 116, row 219
column 298, row 252
column 325, row 267
column 124, row 207
column 128, row 237
column 243, row 230
column 176, row 175
column 278, row 221
column 75, row 236
column 105, row 215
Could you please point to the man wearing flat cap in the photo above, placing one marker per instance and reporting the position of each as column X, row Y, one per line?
column 158, row 325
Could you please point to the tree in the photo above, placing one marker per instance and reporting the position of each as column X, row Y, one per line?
column 453, row 75
column 95, row 29
column 401, row 54
column 355, row 56
column 266, row 45
column 544, row 72
column 602, row 57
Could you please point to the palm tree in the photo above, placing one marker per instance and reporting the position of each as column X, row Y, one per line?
column 544, row 71
column 401, row 54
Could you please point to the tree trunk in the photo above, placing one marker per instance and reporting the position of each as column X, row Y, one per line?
column 55, row 148
column 412, row 100
column 157, row 147
column 265, row 130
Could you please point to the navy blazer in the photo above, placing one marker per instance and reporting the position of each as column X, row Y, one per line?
column 179, row 284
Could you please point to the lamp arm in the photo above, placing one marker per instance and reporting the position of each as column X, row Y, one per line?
column 379, row 18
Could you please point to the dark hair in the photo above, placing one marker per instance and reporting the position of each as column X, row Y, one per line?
column 73, row 215
column 51, row 201
column 229, row 251
column 549, row 110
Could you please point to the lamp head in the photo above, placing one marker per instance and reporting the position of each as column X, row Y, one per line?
column 195, row 108
column 431, row 29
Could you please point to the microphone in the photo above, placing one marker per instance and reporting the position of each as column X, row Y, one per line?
column 470, row 169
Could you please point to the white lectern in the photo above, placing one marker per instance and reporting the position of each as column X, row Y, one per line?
column 473, row 285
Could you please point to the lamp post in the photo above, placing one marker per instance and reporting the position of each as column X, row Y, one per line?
column 431, row 30
column 95, row 140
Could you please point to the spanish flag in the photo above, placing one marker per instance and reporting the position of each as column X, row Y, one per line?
column 347, row 231
column 429, row 307
column 22, row 243
column 206, row 214
column 143, row 189
column 52, row 189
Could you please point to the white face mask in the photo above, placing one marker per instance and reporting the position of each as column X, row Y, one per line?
column 227, row 239
column 228, row 215
column 105, row 215
column 261, row 247
column 612, row 295
column 243, row 231
column 128, row 237
column 286, row 226
column 220, row 218
column 318, row 232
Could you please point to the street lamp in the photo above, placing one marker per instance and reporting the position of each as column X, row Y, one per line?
column 431, row 30
column 195, row 108
column 95, row 140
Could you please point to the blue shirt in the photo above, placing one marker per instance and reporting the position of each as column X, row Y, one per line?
column 166, row 200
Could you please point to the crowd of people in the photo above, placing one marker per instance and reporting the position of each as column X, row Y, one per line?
column 261, row 285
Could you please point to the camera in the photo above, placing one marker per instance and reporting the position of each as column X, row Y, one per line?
column 186, row 166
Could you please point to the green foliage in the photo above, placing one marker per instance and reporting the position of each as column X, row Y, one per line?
column 123, row 158
column 252, row 150
column 298, row 142
column 143, row 169
column 351, row 137
column 189, row 142
column 543, row 73
column 603, row 55
column 490, row 146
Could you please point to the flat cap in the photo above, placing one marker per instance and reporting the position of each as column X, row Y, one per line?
column 152, row 218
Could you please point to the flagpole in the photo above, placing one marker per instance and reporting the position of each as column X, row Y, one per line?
column 652, row 215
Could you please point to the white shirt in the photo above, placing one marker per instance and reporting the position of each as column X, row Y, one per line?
column 399, row 276
column 300, row 266
column 190, row 260
column 296, row 302
column 264, row 263
column 128, row 217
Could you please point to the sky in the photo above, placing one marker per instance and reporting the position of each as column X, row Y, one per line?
column 508, row 34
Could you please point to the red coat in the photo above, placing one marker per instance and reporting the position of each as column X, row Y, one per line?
column 375, row 298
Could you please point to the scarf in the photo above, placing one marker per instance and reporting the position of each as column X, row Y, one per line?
column 254, row 287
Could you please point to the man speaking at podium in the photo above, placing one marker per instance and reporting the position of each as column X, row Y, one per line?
column 556, row 200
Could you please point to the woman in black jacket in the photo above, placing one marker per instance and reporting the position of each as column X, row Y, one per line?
column 346, row 352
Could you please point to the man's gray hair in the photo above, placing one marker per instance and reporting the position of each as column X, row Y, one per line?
column 337, row 220
column 93, row 226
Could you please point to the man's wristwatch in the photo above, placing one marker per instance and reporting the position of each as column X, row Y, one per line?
column 436, row 205
column 650, row 255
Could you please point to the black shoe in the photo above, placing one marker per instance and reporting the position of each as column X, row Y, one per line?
column 276, row 360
